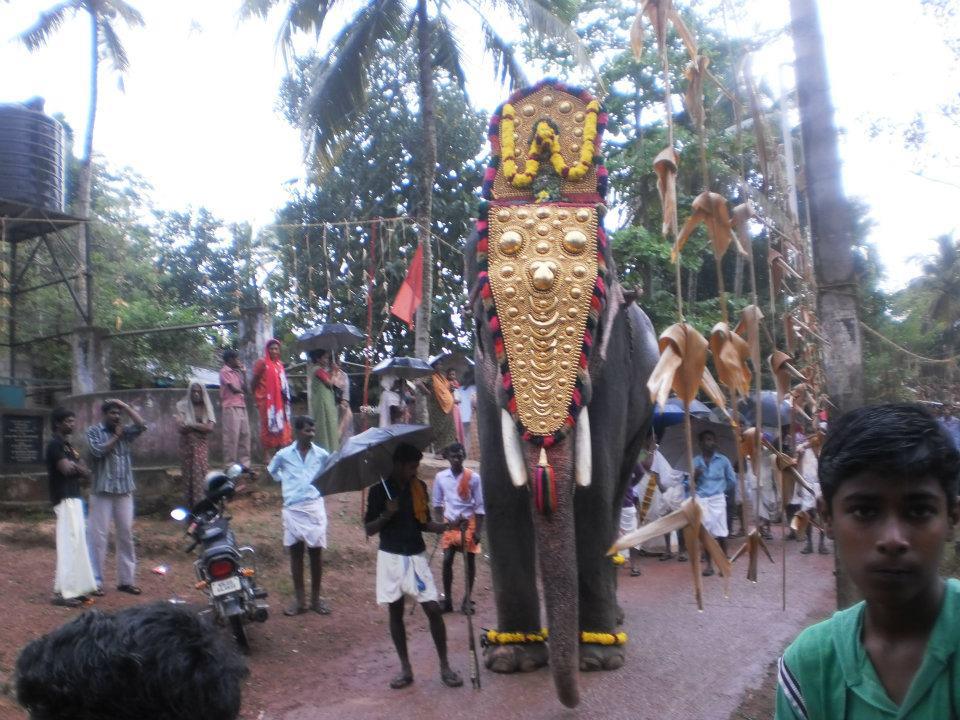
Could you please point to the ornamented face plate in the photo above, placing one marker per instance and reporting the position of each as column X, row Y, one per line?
column 542, row 270
column 567, row 112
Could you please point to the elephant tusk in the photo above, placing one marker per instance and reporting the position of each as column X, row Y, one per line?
column 512, row 451
column 583, row 449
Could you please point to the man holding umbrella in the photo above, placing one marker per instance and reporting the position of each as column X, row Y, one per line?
column 398, row 509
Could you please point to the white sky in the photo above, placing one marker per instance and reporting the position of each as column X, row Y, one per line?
column 198, row 117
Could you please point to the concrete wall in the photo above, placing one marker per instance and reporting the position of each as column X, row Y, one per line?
column 159, row 446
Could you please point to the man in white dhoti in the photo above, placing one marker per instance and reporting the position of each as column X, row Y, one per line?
column 74, row 578
column 304, row 513
column 714, row 477
column 398, row 509
column 810, row 471
column 669, row 496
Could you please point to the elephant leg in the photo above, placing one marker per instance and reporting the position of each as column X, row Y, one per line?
column 510, row 540
column 599, row 611
column 619, row 422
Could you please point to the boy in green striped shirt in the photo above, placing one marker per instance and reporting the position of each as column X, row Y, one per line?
column 889, row 477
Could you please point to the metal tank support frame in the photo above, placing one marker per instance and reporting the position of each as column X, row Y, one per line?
column 36, row 227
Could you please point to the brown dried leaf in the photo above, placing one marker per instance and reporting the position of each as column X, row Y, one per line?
column 692, row 348
column 693, row 97
column 710, row 209
column 713, row 390
column 684, row 32
column 782, row 368
column 658, row 12
column 779, row 267
column 661, row 379
column 759, row 127
column 636, row 36
column 738, row 221
column 789, row 332
column 665, row 166
column 749, row 328
column 752, row 545
column 730, row 353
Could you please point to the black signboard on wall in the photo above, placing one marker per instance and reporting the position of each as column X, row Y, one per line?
column 22, row 439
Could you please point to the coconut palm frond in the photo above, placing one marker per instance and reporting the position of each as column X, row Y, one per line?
column 447, row 51
column 339, row 86
column 506, row 66
column 112, row 48
column 542, row 19
column 49, row 22
column 302, row 16
column 256, row 8
column 129, row 14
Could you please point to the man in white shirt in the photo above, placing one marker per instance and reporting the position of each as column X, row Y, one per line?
column 304, row 513
column 458, row 498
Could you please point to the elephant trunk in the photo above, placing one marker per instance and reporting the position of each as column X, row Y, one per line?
column 557, row 552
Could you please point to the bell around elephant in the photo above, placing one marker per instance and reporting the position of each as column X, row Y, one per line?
column 562, row 360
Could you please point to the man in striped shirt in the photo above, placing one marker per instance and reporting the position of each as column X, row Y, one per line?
column 111, row 498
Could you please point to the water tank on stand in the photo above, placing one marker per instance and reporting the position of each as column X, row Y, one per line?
column 31, row 156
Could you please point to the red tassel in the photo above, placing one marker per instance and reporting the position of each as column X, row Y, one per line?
column 544, row 486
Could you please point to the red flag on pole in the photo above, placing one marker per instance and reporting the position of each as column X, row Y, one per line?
column 410, row 294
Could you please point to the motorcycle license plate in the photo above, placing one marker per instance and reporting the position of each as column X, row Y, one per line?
column 222, row 587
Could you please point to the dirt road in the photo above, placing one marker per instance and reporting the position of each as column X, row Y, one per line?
column 682, row 664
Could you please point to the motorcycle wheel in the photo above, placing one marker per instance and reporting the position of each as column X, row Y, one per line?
column 239, row 633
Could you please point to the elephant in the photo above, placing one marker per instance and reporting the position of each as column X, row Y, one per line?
column 578, row 580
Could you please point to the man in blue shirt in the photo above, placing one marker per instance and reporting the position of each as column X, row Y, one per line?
column 304, row 514
column 714, row 477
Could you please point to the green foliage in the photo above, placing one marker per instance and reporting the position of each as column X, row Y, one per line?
column 375, row 176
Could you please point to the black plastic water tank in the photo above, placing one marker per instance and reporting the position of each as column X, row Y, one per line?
column 31, row 156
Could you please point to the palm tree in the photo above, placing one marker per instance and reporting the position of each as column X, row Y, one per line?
column 104, row 44
column 339, row 88
column 940, row 283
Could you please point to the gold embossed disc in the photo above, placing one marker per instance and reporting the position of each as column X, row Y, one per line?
column 543, row 299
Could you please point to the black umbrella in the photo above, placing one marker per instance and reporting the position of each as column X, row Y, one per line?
column 406, row 368
column 674, row 444
column 330, row 336
column 367, row 458
column 456, row 359
column 768, row 407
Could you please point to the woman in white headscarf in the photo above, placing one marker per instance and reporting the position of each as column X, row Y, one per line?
column 195, row 420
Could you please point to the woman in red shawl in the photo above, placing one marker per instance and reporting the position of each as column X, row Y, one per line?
column 272, row 395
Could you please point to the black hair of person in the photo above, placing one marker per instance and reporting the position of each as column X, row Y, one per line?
column 405, row 452
column 60, row 414
column 108, row 405
column 302, row 421
column 149, row 662
column 892, row 440
column 703, row 433
column 230, row 354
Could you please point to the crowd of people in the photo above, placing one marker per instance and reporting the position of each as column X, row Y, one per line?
column 884, row 486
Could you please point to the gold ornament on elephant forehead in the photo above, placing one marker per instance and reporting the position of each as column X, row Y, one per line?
column 542, row 280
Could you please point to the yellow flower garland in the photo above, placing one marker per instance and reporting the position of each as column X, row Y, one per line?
column 618, row 560
column 603, row 638
column 545, row 141
column 515, row 638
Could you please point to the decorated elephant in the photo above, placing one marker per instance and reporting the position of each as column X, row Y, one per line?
column 562, row 359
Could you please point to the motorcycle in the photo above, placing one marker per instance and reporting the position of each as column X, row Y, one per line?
column 226, row 571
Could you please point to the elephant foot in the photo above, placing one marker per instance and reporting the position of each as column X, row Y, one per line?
column 601, row 657
column 525, row 657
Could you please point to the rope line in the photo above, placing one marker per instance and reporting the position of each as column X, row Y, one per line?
column 921, row 358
